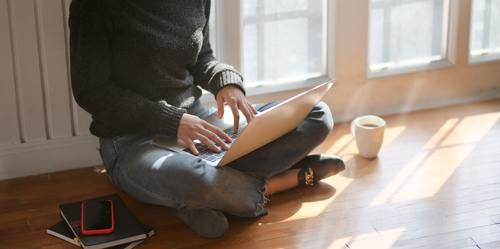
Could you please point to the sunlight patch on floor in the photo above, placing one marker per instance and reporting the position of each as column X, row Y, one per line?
column 99, row 170
column 315, row 208
column 406, row 172
column 438, row 137
column 391, row 134
column 340, row 243
column 419, row 177
column 428, row 179
column 343, row 143
column 368, row 240
column 463, row 133
column 395, row 184
column 448, row 149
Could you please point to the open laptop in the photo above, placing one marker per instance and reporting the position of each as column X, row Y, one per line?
column 264, row 128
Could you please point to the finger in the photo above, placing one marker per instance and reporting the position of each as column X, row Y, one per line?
column 253, row 108
column 209, row 143
column 216, row 139
column 218, row 132
column 246, row 112
column 192, row 147
column 220, row 107
column 236, row 116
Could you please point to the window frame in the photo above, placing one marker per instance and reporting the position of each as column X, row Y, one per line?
column 481, row 58
column 448, row 53
column 229, row 45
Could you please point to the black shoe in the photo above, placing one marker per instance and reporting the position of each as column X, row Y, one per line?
column 313, row 168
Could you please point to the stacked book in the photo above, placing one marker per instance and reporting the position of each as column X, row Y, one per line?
column 128, row 232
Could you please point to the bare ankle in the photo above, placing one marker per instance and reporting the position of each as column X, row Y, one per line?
column 282, row 182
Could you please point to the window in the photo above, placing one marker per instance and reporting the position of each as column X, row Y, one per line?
column 280, row 44
column 407, row 34
column 485, row 30
column 282, row 40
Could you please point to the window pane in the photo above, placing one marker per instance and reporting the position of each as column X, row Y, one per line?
column 407, row 32
column 282, row 40
column 485, row 28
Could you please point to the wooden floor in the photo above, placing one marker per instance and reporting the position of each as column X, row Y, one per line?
column 436, row 184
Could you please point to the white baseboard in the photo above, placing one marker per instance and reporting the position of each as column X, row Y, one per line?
column 48, row 156
column 342, row 117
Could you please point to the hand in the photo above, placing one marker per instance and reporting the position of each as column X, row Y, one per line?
column 192, row 127
column 236, row 100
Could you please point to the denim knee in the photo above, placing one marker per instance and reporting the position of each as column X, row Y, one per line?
column 321, row 121
column 230, row 191
column 255, row 203
column 193, row 183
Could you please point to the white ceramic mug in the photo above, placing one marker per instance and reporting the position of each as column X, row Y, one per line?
column 368, row 132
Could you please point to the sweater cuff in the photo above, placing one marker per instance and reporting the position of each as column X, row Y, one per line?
column 166, row 119
column 224, row 78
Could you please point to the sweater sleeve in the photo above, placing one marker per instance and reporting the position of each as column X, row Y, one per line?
column 209, row 73
column 119, row 109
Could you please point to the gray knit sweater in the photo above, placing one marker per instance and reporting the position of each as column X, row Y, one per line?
column 137, row 65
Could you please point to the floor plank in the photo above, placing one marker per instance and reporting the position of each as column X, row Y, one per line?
column 435, row 184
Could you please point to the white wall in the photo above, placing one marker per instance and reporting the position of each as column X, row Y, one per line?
column 43, row 130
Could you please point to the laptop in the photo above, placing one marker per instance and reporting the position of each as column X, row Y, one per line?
column 267, row 126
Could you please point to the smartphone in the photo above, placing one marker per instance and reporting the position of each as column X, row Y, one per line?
column 97, row 217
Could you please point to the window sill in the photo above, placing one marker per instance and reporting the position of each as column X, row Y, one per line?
column 410, row 69
column 208, row 99
column 478, row 59
column 288, row 86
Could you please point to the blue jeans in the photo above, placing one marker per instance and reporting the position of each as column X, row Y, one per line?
column 158, row 176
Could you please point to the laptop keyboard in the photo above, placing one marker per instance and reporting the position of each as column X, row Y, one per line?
column 211, row 156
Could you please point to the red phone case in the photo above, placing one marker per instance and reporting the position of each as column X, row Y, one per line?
column 97, row 231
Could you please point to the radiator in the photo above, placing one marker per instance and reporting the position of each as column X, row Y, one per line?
column 42, row 129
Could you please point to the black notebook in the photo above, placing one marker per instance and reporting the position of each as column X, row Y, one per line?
column 62, row 231
column 127, row 228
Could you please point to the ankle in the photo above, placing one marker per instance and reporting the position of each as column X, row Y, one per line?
column 282, row 182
